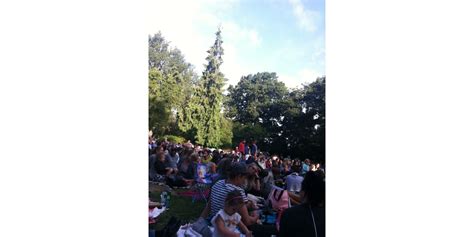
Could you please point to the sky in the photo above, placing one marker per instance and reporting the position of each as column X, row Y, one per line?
column 282, row 36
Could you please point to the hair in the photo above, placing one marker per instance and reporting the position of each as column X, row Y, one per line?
column 160, row 155
column 233, row 173
column 314, row 187
column 234, row 198
column 194, row 157
column 295, row 168
column 223, row 167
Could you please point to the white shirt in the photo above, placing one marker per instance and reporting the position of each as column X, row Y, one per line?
column 293, row 182
column 230, row 222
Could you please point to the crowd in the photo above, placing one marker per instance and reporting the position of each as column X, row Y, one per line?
column 252, row 193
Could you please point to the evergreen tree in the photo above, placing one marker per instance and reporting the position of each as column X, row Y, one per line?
column 206, row 104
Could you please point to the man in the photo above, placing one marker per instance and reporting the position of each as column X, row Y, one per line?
column 242, row 147
column 253, row 149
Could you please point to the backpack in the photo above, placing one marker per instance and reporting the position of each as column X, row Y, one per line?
column 279, row 199
column 280, row 202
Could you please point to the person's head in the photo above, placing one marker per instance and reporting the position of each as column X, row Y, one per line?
column 233, row 202
column 252, row 169
column 314, row 188
column 194, row 158
column 224, row 166
column 306, row 161
column 238, row 173
column 313, row 167
column 160, row 156
column 173, row 150
column 212, row 168
column 295, row 168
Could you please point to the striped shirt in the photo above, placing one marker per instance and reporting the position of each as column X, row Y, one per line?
column 219, row 192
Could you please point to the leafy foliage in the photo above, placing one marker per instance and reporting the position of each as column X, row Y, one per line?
column 175, row 139
column 260, row 107
column 170, row 85
column 283, row 122
column 204, row 111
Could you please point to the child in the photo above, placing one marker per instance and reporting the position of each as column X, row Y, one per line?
column 226, row 220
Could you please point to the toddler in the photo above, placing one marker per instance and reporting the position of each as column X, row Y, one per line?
column 225, row 222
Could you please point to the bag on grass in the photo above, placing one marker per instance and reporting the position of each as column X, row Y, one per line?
column 279, row 199
column 202, row 227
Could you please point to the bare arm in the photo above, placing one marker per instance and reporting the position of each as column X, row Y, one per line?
column 206, row 211
column 244, row 229
column 295, row 198
column 257, row 184
column 223, row 231
column 246, row 218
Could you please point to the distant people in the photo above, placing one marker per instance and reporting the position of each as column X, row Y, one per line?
column 307, row 219
column 227, row 219
column 172, row 159
column 206, row 157
column 286, row 167
column 296, row 166
column 188, row 144
column 246, row 150
column 305, row 167
column 254, row 149
column 216, row 156
column 242, row 146
column 293, row 182
column 160, row 165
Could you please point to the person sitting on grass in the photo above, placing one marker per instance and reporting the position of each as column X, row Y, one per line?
column 172, row 159
column 160, row 165
column 187, row 168
column 227, row 219
column 236, row 178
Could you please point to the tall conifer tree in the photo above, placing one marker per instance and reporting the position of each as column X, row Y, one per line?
column 206, row 103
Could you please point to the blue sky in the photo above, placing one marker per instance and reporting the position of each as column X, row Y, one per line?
column 282, row 36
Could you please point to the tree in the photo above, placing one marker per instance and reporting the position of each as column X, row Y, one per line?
column 304, row 125
column 256, row 105
column 204, row 110
column 255, row 98
column 171, row 80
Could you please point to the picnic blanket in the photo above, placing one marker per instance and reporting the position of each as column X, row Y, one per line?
column 153, row 213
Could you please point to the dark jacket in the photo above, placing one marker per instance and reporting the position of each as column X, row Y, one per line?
column 297, row 221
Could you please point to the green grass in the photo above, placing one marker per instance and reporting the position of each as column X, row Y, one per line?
column 181, row 207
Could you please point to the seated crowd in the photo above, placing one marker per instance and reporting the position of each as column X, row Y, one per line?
column 243, row 180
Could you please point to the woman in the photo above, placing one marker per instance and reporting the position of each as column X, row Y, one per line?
column 252, row 184
column 307, row 219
